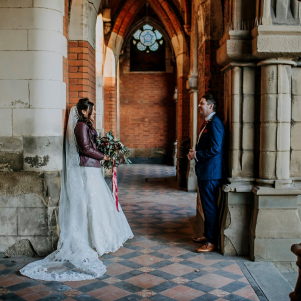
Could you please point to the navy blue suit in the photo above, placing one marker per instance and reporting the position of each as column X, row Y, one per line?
column 209, row 171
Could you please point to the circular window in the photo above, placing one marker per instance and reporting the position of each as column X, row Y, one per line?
column 147, row 39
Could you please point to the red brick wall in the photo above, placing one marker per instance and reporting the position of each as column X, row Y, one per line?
column 110, row 105
column 81, row 71
column 210, row 80
column 147, row 110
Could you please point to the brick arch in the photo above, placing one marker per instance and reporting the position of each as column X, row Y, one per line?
column 162, row 9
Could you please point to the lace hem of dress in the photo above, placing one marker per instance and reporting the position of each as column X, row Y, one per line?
column 40, row 269
column 35, row 270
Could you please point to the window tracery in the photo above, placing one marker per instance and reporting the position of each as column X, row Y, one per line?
column 148, row 39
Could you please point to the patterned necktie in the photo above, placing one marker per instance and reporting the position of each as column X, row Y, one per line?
column 201, row 130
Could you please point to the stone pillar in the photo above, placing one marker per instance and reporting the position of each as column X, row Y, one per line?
column 99, row 58
column 275, row 221
column 32, row 101
column 192, row 86
column 236, row 211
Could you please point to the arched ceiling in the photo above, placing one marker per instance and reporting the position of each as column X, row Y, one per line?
column 166, row 11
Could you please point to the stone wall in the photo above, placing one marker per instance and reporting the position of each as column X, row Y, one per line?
column 32, row 103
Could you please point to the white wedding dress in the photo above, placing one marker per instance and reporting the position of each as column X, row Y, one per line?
column 88, row 221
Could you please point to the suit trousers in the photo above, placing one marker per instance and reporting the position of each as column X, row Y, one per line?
column 209, row 196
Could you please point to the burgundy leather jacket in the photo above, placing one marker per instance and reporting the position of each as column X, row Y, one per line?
column 88, row 153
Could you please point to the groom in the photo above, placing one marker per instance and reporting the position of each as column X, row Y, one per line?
column 209, row 162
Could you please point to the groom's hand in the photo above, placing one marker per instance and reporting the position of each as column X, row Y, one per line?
column 188, row 156
column 192, row 154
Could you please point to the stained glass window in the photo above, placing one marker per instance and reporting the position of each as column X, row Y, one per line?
column 147, row 39
column 137, row 34
column 154, row 47
column 146, row 26
column 141, row 47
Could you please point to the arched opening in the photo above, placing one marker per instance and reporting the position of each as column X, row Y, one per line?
column 147, row 81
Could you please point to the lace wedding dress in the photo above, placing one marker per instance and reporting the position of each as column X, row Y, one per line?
column 88, row 221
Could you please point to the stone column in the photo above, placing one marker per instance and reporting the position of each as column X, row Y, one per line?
column 32, row 102
column 240, row 121
column 192, row 86
column 99, row 74
column 275, row 222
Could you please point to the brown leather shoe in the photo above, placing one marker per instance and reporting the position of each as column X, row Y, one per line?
column 200, row 240
column 206, row 248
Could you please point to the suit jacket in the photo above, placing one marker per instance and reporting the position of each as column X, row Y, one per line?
column 89, row 155
column 209, row 151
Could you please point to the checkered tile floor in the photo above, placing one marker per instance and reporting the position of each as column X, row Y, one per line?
column 159, row 263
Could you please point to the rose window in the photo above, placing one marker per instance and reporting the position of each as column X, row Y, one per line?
column 147, row 39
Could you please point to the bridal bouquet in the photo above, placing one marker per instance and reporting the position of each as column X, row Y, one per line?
column 114, row 149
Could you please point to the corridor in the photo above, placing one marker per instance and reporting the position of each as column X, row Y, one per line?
column 159, row 263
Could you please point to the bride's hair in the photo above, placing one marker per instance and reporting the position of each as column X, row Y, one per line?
column 86, row 105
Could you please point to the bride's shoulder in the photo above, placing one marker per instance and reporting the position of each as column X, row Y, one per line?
column 81, row 124
column 80, row 127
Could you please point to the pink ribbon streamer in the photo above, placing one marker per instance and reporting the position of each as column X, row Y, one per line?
column 114, row 184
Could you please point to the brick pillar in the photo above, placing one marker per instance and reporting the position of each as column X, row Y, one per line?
column 81, row 71
column 110, row 105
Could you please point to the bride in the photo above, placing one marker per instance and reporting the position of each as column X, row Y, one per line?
column 90, row 224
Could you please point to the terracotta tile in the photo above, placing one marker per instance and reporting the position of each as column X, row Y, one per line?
column 177, row 269
column 214, row 280
column 209, row 269
column 145, row 280
column 208, row 262
column 23, row 292
column 145, row 244
column 182, row 293
column 174, row 251
column 123, row 251
column 147, row 230
column 117, row 269
column 245, row 291
column 146, row 259
column 234, row 268
column 33, row 297
column 253, row 297
column 116, row 259
column 199, row 258
column 108, row 293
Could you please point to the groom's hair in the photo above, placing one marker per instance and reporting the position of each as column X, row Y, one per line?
column 211, row 100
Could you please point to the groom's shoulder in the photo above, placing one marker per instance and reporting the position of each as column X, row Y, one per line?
column 217, row 121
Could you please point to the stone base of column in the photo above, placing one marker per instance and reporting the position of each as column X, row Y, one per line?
column 191, row 177
column 29, row 208
column 275, row 224
column 235, row 216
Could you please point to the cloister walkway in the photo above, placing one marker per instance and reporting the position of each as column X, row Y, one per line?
column 159, row 263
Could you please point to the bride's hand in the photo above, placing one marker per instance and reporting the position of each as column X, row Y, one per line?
column 106, row 158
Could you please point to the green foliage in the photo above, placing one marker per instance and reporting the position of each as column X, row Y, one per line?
column 114, row 149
